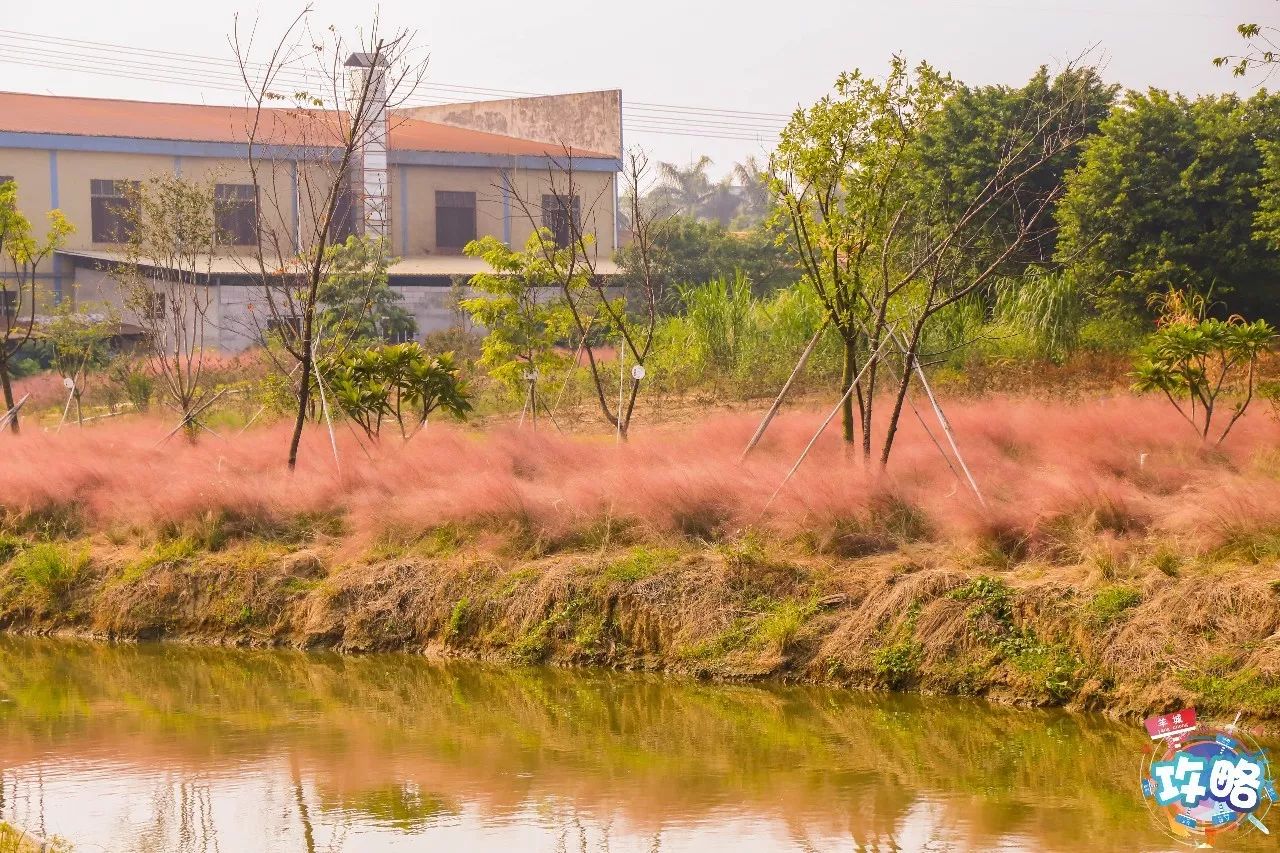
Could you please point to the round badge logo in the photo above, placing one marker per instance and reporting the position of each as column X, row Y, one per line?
column 1205, row 781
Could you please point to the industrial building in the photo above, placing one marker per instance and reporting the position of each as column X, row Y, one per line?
column 452, row 173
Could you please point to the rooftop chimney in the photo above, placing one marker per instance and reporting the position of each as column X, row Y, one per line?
column 372, row 153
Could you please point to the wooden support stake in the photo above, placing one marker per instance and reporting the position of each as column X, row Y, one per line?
column 324, row 406
column 782, row 395
column 942, row 418
column 13, row 413
column 825, row 423
column 190, row 417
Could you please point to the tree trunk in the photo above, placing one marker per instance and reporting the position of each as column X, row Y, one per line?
column 908, row 363
column 847, row 373
column 866, row 402
column 304, row 399
column 7, row 384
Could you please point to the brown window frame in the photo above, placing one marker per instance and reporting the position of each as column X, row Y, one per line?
column 555, row 220
column 235, row 214
column 109, row 204
column 346, row 221
column 455, row 220
column 9, row 303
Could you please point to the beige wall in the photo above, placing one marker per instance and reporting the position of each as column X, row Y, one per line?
column 76, row 169
column 31, row 170
column 423, row 182
column 589, row 121
column 433, row 307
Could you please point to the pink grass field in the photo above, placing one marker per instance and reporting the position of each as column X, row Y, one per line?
column 1131, row 462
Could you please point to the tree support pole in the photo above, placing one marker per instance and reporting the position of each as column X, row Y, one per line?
column 782, row 395
column 190, row 417
column 324, row 406
column 13, row 413
column 942, row 417
column 825, row 424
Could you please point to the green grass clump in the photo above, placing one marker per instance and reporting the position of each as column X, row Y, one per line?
column 1051, row 667
column 780, row 626
column 171, row 552
column 1245, row 690
column 1167, row 561
column 1110, row 602
column 50, row 570
column 639, row 564
column 9, row 547
column 457, row 618
column 895, row 666
column 1252, row 545
column 990, row 598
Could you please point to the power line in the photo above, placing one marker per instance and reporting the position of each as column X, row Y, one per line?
column 177, row 77
column 113, row 52
column 643, row 123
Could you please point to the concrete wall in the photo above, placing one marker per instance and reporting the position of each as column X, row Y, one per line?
column 590, row 121
column 47, row 179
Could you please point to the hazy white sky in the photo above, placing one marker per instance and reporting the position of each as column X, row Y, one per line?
column 745, row 56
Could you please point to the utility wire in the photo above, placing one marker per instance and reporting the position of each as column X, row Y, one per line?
column 162, row 61
column 178, row 77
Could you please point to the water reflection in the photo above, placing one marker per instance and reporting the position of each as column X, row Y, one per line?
column 155, row 748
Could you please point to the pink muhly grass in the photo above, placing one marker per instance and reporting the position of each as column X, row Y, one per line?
column 1126, row 464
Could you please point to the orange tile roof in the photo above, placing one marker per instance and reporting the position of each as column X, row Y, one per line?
column 28, row 113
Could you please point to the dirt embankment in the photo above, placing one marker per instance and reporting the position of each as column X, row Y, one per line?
column 1156, row 632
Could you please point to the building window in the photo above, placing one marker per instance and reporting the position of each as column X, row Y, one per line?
column 399, row 336
column 455, row 220
column 111, row 210
column 154, row 308
column 343, row 224
column 288, row 328
column 236, row 214
column 556, row 211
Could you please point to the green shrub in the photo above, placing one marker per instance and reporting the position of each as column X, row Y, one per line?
column 895, row 666
column 991, row 599
column 780, row 627
column 49, row 569
column 640, row 564
column 1111, row 601
column 457, row 618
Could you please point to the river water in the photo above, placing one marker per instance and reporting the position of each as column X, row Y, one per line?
column 164, row 748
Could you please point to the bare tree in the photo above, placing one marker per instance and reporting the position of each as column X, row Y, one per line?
column 599, row 310
column 21, row 254
column 885, row 254
column 166, row 284
column 318, row 104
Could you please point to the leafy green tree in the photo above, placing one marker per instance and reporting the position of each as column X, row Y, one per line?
column 165, row 285
column 1166, row 196
column 21, row 255
column 753, row 184
column 890, row 256
column 1195, row 360
column 397, row 381
column 79, row 340
column 1262, row 51
column 357, row 303
column 519, row 304
column 686, row 251
column 963, row 147
column 682, row 191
